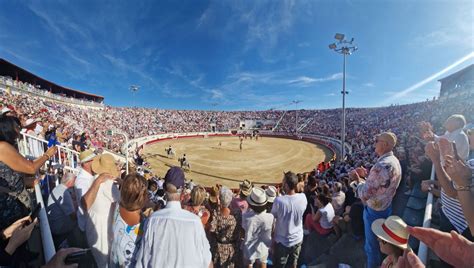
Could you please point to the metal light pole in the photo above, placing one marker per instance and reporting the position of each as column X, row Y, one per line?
column 296, row 111
column 134, row 90
column 214, row 117
column 112, row 132
column 345, row 48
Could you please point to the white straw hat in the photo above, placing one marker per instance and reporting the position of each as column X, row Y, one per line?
column 257, row 197
column 271, row 193
column 392, row 230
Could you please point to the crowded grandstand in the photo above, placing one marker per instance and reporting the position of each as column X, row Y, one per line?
column 64, row 154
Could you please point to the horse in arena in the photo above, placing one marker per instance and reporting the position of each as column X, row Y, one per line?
column 184, row 164
column 170, row 152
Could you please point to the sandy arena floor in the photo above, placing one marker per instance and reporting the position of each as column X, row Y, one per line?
column 262, row 161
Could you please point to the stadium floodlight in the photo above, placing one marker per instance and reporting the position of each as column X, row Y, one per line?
column 339, row 37
column 295, row 102
column 345, row 48
column 134, row 89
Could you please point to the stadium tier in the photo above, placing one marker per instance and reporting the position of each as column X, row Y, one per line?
column 84, row 129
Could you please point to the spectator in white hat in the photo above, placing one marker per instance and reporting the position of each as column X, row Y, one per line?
column 84, row 180
column 257, row 224
column 392, row 235
column 271, row 193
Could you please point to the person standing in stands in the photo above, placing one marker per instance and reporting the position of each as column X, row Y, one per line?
column 454, row 132
column 174, row 237
column 15, row 201
column 288, row 211
column 62, row 212
column 377, row 191
column 99, row 202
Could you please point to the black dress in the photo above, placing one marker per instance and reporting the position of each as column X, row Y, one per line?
column 15, row 201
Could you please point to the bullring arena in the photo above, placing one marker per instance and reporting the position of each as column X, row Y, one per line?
column 262, row 161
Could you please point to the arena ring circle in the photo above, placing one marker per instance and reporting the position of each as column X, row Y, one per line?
column 218, row 159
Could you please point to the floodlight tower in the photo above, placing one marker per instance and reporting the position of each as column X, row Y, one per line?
column 346, row 48
column 295, row 102
column 134, row 90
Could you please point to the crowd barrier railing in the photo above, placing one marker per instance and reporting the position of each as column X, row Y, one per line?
column 422, row 248
column 33, row 147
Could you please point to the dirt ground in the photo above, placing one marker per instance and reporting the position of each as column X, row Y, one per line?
column 262, row 161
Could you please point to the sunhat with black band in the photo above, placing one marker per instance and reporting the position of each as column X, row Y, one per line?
column 271, row 193
column 257, row 197
column 392, row 230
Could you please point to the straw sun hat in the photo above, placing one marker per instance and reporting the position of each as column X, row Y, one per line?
column 257, row 197
column 86, row 156
column 246, row 187
column 271, row 193
column 392, row 230
column 105, row 163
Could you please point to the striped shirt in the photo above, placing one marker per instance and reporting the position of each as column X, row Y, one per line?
column 452, row 208
column 453, row 211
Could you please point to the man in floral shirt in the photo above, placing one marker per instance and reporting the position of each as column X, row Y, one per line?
column 378, row 190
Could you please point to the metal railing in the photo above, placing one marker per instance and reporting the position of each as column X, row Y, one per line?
column 423, row 249
column 65, row 157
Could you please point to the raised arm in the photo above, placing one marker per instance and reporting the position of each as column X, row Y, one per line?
column 17, row 162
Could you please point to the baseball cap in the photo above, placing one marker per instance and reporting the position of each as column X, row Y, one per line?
column 175, row 176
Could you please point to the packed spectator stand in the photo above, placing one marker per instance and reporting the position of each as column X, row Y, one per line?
column 328, row 187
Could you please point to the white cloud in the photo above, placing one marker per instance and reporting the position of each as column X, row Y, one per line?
column 216, row 94
column 50, row 22
column 306, row 81
column 369, row 84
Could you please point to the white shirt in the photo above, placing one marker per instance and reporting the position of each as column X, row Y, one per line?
column 327, row 215
column 338, row 200
column 99, row 222
column 258, row 234
column 174, row 237
column 461, row 140
column 83, row 182
column 288, row 211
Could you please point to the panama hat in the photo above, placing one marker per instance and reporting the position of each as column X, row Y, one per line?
column 86, row 156
column 392, row 230
column 271, row 193
column 105, row 163
column 257, row 197
column 31, row 121
column 246, row 187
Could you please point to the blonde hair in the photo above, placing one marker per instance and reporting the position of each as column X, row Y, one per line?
column 198, row 195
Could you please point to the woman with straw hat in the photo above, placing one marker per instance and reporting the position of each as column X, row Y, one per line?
column 392, row 235
column 257, row 224
column 100, row 213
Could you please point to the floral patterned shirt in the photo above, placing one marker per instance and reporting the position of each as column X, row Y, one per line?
column 382, row 183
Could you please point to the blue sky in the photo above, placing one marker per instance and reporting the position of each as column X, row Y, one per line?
column 241, row 55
